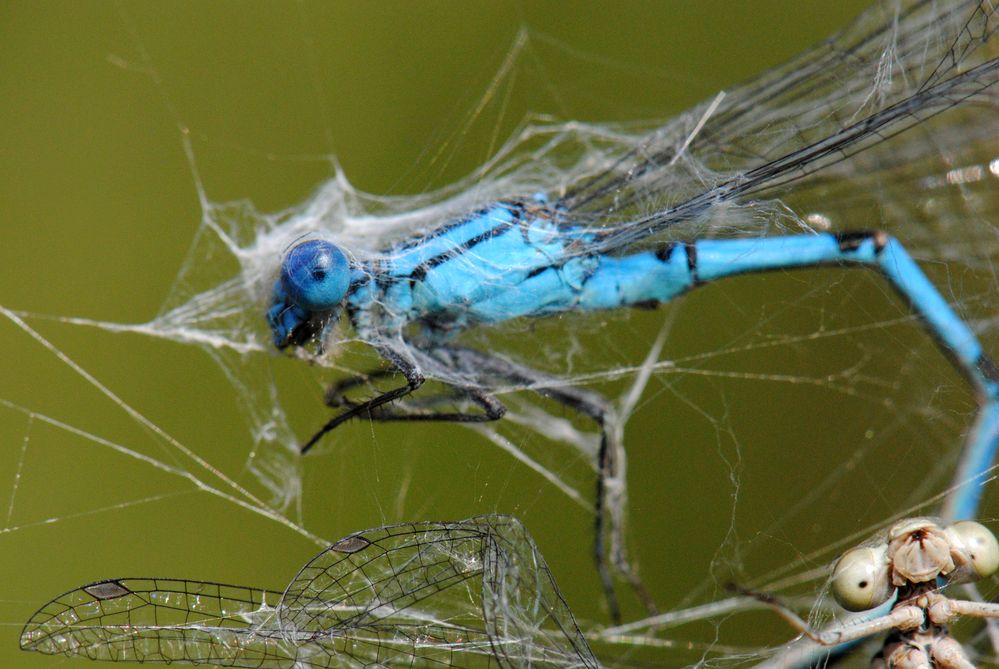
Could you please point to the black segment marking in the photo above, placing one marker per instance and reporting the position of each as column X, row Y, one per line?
column 664, row 253
column 692, row 261
column 987, row 366
column 851, row 240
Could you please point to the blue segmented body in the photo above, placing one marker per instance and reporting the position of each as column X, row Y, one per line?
column 516, row 259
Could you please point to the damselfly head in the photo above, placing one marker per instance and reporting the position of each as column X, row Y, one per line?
column 315, row 275
column 314, row 279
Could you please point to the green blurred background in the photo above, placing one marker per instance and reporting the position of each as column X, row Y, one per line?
column 734, row 473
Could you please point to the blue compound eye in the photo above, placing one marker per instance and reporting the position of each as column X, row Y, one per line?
column 315, row 275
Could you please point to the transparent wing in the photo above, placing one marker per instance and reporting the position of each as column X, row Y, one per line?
column 163, row 620
column 522, row 601
column 471, row 593
column 897, row 66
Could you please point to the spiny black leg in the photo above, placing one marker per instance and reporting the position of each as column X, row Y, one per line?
column 492, row 409
column 414, row 379
column 335, row 393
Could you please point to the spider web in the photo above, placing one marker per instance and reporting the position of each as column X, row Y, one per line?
column 114, row 466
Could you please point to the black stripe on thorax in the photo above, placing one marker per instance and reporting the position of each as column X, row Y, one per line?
column 512, row 206
column 420, row 273
column 691, row 248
